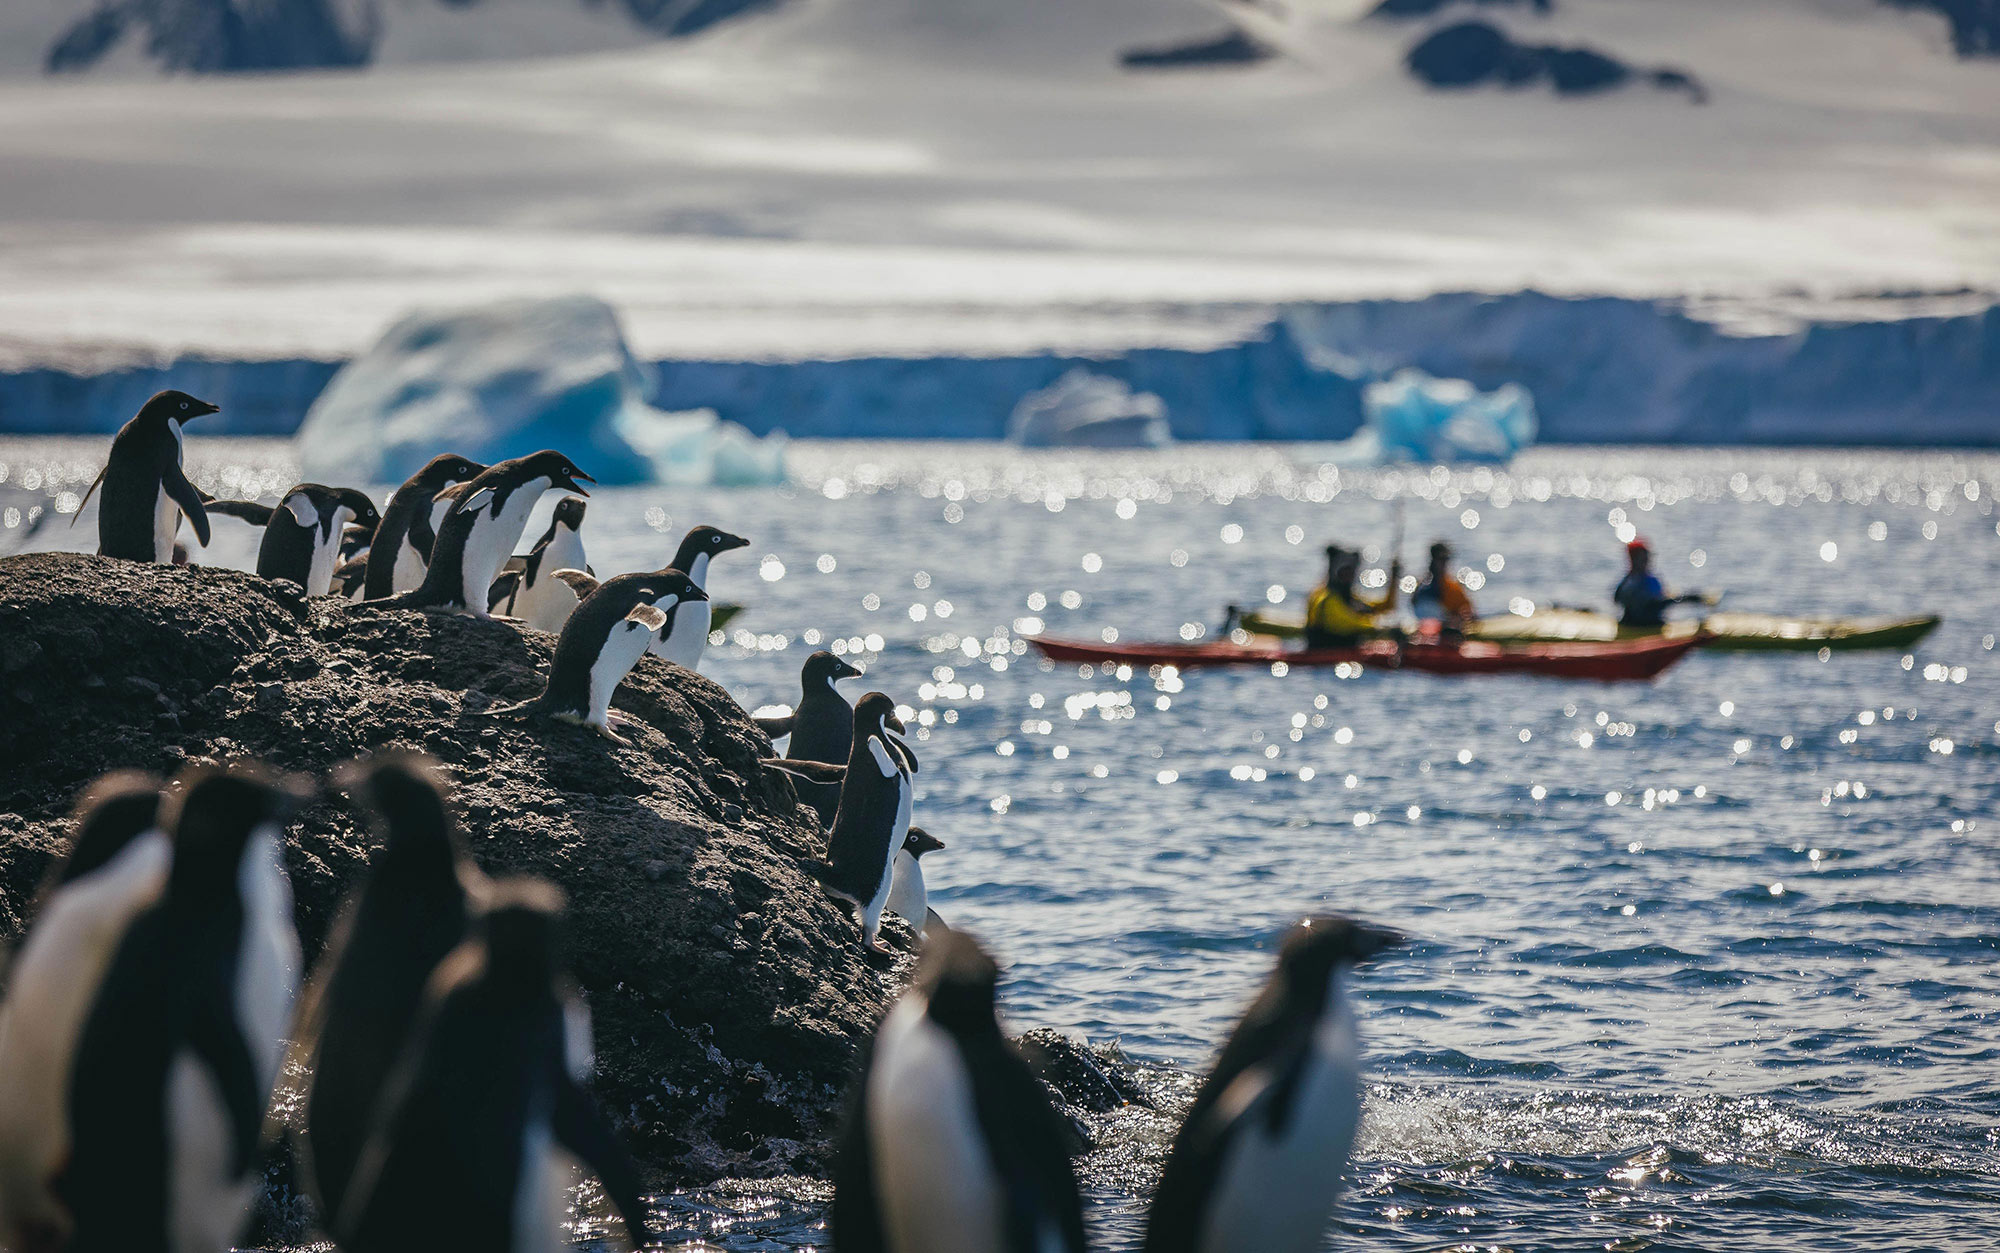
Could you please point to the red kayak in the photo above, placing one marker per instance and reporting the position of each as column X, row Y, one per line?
column 1605, row 660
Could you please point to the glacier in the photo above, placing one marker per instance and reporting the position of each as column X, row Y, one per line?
column 505, row 379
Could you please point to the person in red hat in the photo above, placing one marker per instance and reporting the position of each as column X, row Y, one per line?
column 1642, row 598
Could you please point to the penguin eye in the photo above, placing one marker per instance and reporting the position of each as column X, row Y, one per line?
column 184, row 404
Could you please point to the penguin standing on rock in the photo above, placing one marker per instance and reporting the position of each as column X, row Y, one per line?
column 145, row 489
column 181, row 1048
column 909, row 899
column 601, row 643
column 401, row 548
column 303, row 537
column 1256, row 1167
column 483, row 525
column 528, row 589
column 412, row 910
column 464, row 1154
column 873, row 820
column 951, row 1144
column 685, row 636
column 117, row 866
column 822, row 727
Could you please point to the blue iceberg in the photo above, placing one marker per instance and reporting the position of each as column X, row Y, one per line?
column 1412, row 416
column 506, row 379
column 1086, row 410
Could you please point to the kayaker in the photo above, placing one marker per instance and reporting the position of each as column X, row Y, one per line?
column 1642, row 598
column 1337, row 615
column 1441, row 597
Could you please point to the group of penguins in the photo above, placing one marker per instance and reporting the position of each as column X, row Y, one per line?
column 151, row 1003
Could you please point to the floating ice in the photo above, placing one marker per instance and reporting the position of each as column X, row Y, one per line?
column 506, row 379
column 1411, row 416
column 1086, row 410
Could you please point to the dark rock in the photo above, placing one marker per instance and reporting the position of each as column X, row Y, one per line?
column 711, row 1034
column 1475, row 54
column 1078, row 1075
column 1229, row 49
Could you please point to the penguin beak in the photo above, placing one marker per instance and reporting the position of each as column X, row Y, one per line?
column 847, row 670
column 733, row 541
column 694, row 593
column 922, row 841
column 569, row 483
column 202, row 409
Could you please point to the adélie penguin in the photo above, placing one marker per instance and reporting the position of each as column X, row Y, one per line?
column 821, row 727
column 685, row 636
column 873, row 819
column 411, row 911
column 464, row 1152
column 1256, row 1167
column 528, row 589
column 303, row 538
column 951, row 1145
column 145, row 489
column 401, row 549
column 909, row 899
column 482, row 526
column 603, row 639
column 116, row 866
column 181, row 1048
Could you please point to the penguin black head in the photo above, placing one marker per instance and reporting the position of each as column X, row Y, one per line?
column 560, row 471
column 449, row 468
column 824, row 667
column 671, row 582
column 919, row 841
column 406, row 793
column 710, row 540
column 214, row 814
column 360, row 506
column 179, row 406
column 874, row 710
column 958, row 979
column 110, row 814
column 569, row 512
column 521, row 929
column 1317, row 946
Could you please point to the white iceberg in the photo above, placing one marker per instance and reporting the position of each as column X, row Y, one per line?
column 1086, row 410
column 506, row 379
column 1412, row 416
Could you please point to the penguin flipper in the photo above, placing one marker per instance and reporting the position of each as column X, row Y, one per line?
column 776, row 727
column 217, row 1041
column 504, row 589
column 88, row 493
column 811, row 771
column 188, row 497
column 248, row 510
column 579, row 582
column 652, row 617
column 582, row 1130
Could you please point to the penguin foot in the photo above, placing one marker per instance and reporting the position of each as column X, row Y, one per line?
column 614, row 737
column 620, row 721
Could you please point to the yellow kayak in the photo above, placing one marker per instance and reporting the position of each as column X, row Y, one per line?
column 1730, row 632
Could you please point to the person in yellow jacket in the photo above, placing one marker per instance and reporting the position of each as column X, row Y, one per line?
column 1336, row 614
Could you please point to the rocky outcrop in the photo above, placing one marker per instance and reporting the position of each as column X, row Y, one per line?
column 729, row 993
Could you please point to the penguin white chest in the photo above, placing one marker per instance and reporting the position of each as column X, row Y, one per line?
column 1275, row 1194
column 686, row 637
column 936, row 1186
column 408, row 574
column 166, row 525
column 492, row 541
column 326, row 552
column 908, row 898
column 622, row 649
column 547, row 603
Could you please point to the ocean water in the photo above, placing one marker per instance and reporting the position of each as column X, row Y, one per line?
column 1706, row 963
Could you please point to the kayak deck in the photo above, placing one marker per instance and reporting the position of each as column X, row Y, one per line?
column 1616, row 660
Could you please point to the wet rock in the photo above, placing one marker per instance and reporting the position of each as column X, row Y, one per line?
column 1092, row 1080
column 717, row 1036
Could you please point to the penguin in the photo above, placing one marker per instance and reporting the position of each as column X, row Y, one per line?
column 145, row 489
column 951, row 1142
column 408, row 528
column 117, row 866
column 528, row 588
column 908, row 898
column 464, row 1152
column 302, row 540
column 411, row 911
column 482, row 526
column 685, row 636
column 601, row 643
column 350, row 577
column 873, row 819
column 180, row 1050
column 1257, row 1163
column 821, row 727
